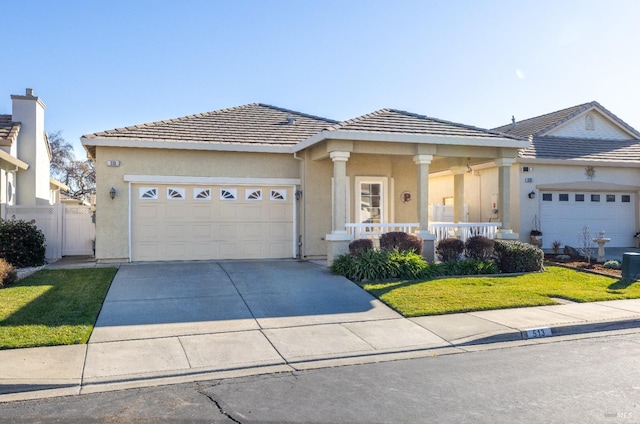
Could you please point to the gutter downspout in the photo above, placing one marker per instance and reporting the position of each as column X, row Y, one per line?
column 301, row 208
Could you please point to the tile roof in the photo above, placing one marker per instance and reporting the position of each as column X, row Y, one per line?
column 532, row 126
column 251, row 124
column 398, row 121
column 544, row 123
column 8, row 129
column 582, row 149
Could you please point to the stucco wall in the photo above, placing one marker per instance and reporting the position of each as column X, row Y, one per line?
column 112, row 215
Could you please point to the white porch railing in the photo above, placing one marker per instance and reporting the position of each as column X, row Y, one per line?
column 442, row 230
column 464, row 230
column 373, row 231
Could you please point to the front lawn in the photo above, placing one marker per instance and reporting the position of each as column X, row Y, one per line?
column 53, row 307
column 452, row 295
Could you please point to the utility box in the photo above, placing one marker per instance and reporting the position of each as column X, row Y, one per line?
column 630, row 265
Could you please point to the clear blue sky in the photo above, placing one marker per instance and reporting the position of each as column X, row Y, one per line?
column 100, row 65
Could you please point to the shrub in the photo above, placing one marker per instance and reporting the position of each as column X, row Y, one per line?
column 357, row 246
column 21, row 243
column 8, row 274
column 613, row 264
column 465, row 267
column 515, row 256
column 377, row 265
column 479, row 248
column 449, row 249
column 402, row 242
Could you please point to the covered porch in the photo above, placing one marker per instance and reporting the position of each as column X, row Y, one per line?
column 381, row 166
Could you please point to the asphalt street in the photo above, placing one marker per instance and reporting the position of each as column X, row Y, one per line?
column 592, row 379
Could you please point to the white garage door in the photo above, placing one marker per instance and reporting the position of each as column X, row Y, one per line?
column 563, row 215
column 185, row 222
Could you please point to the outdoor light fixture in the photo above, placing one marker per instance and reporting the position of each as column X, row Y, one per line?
column 112, row 193
column 298, row 194
column 532, row 195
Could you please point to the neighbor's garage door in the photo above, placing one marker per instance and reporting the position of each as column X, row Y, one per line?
column 184, row 222
column 563, row 215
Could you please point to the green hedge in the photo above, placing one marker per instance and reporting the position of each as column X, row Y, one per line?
column 21, row 243
column 516, row 256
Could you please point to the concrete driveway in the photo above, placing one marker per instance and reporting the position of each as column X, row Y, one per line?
column 151, row 300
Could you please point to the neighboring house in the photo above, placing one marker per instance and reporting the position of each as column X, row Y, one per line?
column 258, row 181
column 580, row 168
column 25, row 156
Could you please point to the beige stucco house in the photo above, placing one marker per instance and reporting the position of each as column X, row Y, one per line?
column 258, row 181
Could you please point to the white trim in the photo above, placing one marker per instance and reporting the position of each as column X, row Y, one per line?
column 129, row 207
column 174, row 179
column 294, row 244
column 384, row 203
column 602, row 113
column 579, row 162
column 410, row 138
column 183, row 145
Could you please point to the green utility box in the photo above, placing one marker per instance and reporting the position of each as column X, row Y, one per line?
column 631, row 266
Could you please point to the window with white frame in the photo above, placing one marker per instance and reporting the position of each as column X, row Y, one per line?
column 201, row 193
column 175, row 193
column 371, row 200
column 253, row 194
column 148, row 193
column 278, row 194
column 228, row 194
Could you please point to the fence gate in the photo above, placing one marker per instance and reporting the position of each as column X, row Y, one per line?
column 68, row 229
column 79, row 231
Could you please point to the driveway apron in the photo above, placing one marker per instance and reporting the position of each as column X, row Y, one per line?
column 182, row 318
column 151, row 300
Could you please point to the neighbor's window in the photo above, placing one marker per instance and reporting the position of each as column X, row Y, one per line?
column 547, row 197
column 611, row 197
column 595, row 197
column 563, row 197
column 579, row 198
column 625, row 198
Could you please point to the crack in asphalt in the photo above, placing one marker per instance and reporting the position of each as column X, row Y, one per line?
column 217, row 405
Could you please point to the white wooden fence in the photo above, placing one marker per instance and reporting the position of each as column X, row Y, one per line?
column 442, row 230
column 68, row 229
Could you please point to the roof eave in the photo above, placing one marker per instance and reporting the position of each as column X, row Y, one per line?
column 89, row 143
column 410, row 138
column 580, row 162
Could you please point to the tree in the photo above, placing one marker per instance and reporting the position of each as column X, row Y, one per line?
column 78, row 175
column 61, row 155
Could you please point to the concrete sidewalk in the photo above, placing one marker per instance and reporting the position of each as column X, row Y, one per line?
column 271, row 337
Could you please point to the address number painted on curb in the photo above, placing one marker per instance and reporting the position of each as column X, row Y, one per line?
column 536, row 333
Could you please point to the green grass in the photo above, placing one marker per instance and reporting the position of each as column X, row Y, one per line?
column 452, row 295
column 53, row 307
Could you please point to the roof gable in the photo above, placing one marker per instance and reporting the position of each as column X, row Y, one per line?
column 567, row 122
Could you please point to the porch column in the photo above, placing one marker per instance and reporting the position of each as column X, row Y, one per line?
column 504, row 198
column 338, row 241
column 458, row 192
column 423, row 162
